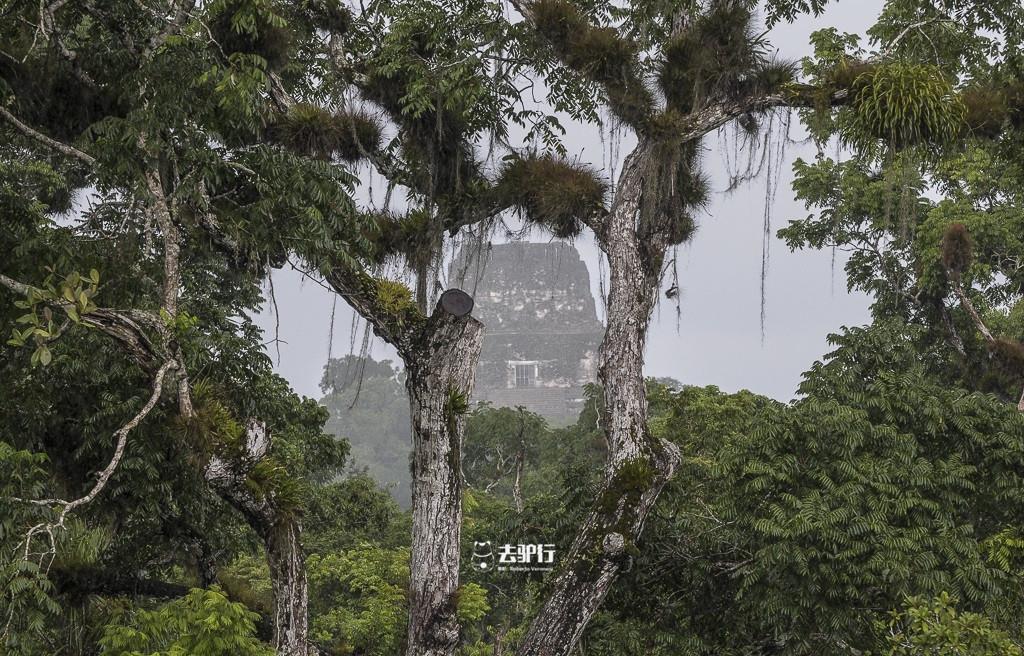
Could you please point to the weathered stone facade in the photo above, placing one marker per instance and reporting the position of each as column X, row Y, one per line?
column 541, row 328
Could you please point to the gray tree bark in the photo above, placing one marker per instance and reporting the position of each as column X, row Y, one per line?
column 638, row 464
column 440, row 372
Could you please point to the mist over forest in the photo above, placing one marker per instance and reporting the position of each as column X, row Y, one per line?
column 429, row 328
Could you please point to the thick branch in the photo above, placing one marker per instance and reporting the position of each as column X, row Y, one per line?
column 397, row 326
column 797, row 96
column 280, row 529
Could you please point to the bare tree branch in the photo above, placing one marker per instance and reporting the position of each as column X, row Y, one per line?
column 121, row 434
column 59, row 146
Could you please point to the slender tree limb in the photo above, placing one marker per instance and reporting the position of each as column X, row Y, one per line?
column 968, row 305
column 49, row 142
column 162, row 209
column 181, row 11
column 67, row 507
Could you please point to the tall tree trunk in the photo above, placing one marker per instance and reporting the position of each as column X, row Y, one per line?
column 281, row 532
column 440, row 374
column 638, row 464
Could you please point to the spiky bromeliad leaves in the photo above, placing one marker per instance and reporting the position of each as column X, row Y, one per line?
column 899, row 105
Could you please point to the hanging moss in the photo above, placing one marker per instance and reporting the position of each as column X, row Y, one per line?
column 247, row 27
column 599, row 53
column 674, row 185
column 957, row 248
column 552, row 192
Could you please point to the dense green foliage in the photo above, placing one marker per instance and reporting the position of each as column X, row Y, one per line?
column 882, row 511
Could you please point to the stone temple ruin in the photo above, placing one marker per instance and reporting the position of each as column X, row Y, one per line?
column 542, row 331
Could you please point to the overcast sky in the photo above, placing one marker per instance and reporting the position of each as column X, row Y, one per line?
column 717, row 339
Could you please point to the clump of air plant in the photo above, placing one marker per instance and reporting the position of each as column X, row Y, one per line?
column 552, row 191
column 1009, row 356
column 357, row 133
column 957, row 249
column 985, row 110
column 240, row 26
column 719, row 57
column 410, row 236
column 902, row 105
column 330, row 15
column 847, row 74
column 312, row 130
column 600, row 53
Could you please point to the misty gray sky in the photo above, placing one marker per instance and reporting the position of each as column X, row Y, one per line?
column 717, row 339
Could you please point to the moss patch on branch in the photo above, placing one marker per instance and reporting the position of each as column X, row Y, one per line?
column 395, row 299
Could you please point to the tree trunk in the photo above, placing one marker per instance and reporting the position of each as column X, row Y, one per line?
column 440, row 374
column 638, row 464
column 290, row 592
column 280, row 530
